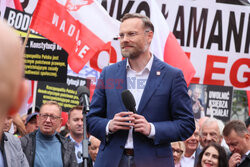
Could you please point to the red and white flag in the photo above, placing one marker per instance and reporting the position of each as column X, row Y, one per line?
column 166, row 47
column 81, row 27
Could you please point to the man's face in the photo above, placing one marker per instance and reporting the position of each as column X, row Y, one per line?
column 7, row 124
column 75, row 123
column 49, row 119
column 134, row 39
column 238, row 144
column 31, row 125
column 192, row 143
column 210, row 134
column 94, row 147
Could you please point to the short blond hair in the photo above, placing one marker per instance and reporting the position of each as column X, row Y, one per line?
column 52, row 103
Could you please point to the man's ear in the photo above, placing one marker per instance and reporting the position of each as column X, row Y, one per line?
column 18, row 100
column 68, row 124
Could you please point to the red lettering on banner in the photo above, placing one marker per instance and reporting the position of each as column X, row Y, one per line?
column 210, row 70
column 112, row 57
column 195, row 80
column 234, row 73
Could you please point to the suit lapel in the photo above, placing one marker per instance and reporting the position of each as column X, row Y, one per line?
column 154, row 79
column 121, row 75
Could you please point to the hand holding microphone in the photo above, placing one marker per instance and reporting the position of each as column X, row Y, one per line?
column 140, row 125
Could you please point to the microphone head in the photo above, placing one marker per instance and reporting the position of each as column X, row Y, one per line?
column 82, row 90
column 128, row 100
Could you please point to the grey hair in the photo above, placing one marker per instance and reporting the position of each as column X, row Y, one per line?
column 212, row 120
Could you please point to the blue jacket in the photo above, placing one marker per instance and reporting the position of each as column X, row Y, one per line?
column 164, row 102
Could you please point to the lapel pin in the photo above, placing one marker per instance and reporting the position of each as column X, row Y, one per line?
column 158, row 73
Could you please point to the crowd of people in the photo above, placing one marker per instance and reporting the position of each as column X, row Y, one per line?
column 212, row 144
column 118, row 137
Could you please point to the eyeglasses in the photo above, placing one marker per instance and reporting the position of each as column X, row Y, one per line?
column 52, row 117
column 177, row 151
column 130, row 34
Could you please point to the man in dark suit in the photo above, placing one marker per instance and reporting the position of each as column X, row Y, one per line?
column 238, row 139
column 164, row 112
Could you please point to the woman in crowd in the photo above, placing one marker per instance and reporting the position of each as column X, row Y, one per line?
column 178, row 148
column 213, row 155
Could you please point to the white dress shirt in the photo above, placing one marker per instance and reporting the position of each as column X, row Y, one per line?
column 188, row 161
column 136, row 82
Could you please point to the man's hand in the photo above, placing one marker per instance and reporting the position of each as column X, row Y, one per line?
column 141, row 125
column 121, row 121
column 234, row 160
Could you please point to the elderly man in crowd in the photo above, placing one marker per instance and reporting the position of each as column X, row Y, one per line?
column 190, row 157
column 238, row 139
column 211, row 132
column 45, row 147
column 12, row 93
column 93, row 148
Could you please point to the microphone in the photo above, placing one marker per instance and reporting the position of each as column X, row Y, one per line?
column 83, row 94
column 128, row 100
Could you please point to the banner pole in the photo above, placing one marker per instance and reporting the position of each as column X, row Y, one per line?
column 34, row 97
column 26, row 39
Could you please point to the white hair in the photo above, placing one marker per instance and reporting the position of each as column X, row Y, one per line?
column 211, row 120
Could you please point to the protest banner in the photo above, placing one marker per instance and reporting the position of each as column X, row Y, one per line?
column 64, row 93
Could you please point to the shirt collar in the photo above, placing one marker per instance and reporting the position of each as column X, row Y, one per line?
column 191, row 157
column 73, row 140
column 148, row 66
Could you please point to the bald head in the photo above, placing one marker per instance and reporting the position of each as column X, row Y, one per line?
column 11, row 66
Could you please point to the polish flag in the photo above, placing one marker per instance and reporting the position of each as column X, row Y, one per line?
column 166, row 47
column 81, row 27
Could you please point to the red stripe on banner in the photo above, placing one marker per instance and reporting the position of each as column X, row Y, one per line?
column 18, row 5
column 175, row 56
column 30, row 100
column 248, row 97
column 52, row 20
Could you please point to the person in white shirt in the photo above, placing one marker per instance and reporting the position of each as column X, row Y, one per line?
column 190, row 157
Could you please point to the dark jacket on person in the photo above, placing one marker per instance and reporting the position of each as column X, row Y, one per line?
column 245, row 162
column 68, row 149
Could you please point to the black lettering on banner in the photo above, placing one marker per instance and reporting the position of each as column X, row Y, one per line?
column 181, row 33
column 163, row 11
column 143, row 6
column 232, row 29
column 248, row 36
column 120, row 14
column 213, row 38
column 202, row 25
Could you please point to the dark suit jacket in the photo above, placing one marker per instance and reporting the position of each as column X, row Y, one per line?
column 164, row 102
column 246, row 162
column 196, row 156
